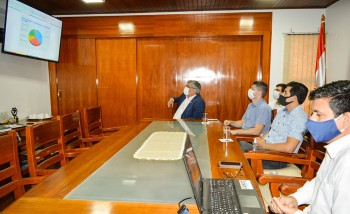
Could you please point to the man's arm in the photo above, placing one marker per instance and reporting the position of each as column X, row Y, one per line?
column 288, row 146
column 199, row 108
column 252, row 131
column 234, row 123
column 173, row 100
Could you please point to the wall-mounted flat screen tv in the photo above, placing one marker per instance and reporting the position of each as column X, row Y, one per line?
column 31, row 33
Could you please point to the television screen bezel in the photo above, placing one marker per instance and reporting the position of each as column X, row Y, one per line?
column 28, row 56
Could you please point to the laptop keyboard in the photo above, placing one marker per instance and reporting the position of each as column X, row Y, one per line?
column 223, row 197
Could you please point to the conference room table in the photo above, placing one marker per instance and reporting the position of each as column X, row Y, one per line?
column 107, row 179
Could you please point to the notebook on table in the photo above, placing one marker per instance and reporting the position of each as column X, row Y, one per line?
column 220, row 195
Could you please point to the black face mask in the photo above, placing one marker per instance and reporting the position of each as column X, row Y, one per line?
column 282, row 100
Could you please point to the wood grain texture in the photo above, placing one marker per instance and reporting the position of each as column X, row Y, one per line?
column 138, row 74
column 116, row 74
column 225, row 67
column 150, row 6
column 50, row 192
column 76, row 75
column 27, row 205
column 198, row 25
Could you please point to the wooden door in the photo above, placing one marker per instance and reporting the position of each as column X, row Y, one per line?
column 76, row 75
column 225, row 67
column 116, row 72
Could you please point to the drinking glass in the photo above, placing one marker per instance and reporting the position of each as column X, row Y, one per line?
column 205, row 117
column 255, row 145
column 226, row 131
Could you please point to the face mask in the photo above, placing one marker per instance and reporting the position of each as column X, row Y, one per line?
column 282, row 100
column 276, row 94
column 323, row 131
column 186, row 91
column 251, row 94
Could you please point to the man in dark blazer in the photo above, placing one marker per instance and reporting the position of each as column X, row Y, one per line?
column 190, row 104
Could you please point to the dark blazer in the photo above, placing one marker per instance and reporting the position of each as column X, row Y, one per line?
column 195, row 108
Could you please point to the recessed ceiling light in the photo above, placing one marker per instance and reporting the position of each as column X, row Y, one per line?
column 94, row 1
column 126, row 27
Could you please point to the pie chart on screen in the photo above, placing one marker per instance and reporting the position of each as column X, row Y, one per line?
column 35, row 37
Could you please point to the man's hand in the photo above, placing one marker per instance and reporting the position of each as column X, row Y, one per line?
column 260, row 142
column 170, row 103
column 227, row 122
column 285, row 205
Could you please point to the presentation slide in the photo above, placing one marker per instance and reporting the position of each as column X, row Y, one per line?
column 32, row 33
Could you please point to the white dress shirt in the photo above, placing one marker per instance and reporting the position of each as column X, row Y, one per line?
column 182, row 107
column 329, row 191
column 273, row 104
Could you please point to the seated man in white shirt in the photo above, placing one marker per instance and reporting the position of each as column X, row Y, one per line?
column 328, row 192
column 190, row 103
column 275, row 104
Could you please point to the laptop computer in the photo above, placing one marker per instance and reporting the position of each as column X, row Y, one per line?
column 242, row 195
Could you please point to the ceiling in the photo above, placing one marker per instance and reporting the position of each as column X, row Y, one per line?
column 76, row 7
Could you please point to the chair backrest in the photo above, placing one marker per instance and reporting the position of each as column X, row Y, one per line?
column 92, row 121
column 273, row 114
column 315, row 156
column 71, row 133
column 10, row 173
column 44, row 150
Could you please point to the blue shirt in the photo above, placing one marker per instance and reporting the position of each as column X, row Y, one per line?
column 259, row 113
column 288, row 124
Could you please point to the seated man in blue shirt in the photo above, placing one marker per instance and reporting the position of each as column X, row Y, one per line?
column 257, row 118
column 190, row 104
column 288, row 127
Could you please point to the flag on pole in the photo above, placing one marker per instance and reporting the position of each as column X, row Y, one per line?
column 321, row 57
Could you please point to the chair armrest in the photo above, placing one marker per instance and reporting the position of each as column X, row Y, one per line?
column 111, row 129
column 289, row 188
column 277, row 156
column 264, row 179
column 246, row 138
column 32, row 180
column 93, row 139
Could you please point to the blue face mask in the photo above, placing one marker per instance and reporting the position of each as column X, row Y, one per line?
column 324, row 131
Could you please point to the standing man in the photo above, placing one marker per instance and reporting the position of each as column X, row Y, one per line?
column 257, row 118
column 328, row 192
column 190, row 104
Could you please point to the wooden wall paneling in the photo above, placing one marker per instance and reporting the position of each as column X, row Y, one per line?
column 76, row 75
column 225, row 67
column 166, row 47
column 198, row 59
column 265, row 62
column 157, row 80
column 192, row 25
column 116, row 72
column 241, row 66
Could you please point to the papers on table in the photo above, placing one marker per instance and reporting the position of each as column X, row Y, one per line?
column 162, row 146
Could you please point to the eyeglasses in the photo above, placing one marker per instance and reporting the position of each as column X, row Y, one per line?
column 190, row 87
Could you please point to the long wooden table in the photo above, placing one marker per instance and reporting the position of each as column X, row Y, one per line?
column 48, row 196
